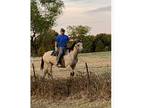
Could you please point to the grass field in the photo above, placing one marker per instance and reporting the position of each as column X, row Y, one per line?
column 98, row 62
column 53, row 94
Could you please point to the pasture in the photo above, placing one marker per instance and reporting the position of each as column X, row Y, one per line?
column 59, row 93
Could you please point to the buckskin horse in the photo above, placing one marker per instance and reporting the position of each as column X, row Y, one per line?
column 69, row 59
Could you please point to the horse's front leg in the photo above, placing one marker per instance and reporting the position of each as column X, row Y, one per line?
column 50, row 71
column 72, row 67
column 45, row 71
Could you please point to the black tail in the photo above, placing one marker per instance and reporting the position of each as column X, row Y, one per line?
column 42, row 64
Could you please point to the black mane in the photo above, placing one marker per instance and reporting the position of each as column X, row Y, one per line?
column 72, row 47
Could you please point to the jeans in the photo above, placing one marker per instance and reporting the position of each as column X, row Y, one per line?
column 60, row 54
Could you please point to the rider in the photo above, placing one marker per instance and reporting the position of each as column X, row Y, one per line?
column 61, row 45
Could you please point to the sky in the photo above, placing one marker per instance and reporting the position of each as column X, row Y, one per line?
column 94, row 13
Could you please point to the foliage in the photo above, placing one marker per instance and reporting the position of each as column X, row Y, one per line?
column 91, row 43
column 102, row 42
column 43, row 16
column 76, row 31
column 43, row 43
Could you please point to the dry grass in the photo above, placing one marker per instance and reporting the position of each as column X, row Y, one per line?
column 76, row 88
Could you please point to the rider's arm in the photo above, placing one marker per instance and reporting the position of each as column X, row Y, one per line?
column 56, row 46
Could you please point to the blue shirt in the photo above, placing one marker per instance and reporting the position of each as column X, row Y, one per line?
column 62, row 40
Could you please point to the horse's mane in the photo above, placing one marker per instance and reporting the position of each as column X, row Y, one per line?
column 72, row 47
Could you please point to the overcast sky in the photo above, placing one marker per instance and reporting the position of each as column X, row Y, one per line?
column 93, row 13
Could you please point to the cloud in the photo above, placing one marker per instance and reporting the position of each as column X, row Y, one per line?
column 101, row 9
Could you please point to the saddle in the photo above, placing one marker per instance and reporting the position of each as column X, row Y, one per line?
column 55, row 53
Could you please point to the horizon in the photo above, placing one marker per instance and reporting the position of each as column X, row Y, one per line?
column 94, row 13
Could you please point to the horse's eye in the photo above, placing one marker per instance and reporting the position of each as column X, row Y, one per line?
column 78, row 45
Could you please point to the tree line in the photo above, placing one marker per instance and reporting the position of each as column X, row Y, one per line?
column 91, row 43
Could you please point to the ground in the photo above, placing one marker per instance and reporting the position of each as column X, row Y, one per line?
column 81, row 103
column 98, row 63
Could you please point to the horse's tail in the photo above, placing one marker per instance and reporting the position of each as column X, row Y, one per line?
column 42, row 63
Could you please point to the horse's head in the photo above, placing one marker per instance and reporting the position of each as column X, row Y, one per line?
column 79, row 45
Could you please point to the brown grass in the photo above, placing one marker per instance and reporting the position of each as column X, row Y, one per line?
column 76, row 88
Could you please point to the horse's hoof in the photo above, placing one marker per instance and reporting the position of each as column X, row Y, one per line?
column 72, row 73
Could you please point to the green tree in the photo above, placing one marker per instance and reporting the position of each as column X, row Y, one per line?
column 87, row 43
column 99, row 46
column 102, row 42
column 77, row 31
column 43, row 16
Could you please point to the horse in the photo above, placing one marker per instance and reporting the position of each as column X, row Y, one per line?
column 70, row 59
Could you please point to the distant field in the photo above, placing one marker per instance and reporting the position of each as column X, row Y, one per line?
column 98, row 62
column 48, row 95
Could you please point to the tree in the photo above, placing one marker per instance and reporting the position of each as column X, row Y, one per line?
column 102, row 42
column 87, row 43
column 77, row 31
column 99, row 46
column 43, row 16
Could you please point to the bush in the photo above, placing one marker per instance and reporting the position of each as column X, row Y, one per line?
column 100, row 46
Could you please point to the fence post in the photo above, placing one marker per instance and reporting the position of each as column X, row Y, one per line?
column 34, row 70
column 88, row 78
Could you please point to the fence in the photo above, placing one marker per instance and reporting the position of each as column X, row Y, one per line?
column 91, row 84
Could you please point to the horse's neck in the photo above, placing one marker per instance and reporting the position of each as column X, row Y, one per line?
column 70, row 57
column 74, row 53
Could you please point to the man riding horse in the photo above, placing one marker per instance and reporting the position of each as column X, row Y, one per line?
column 65, row 58
column 61, row 42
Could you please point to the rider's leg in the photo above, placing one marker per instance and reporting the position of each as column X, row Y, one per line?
column 59, row 55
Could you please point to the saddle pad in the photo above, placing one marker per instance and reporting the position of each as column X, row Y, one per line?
column 54, row 53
